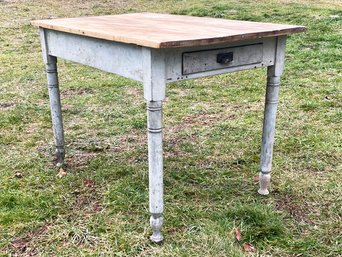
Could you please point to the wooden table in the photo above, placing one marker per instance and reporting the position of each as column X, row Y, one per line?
column 157, row 49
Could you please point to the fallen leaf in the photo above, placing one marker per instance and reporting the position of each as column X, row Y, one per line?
column 97, row 207
column 18, row 175
column 61, row 173
column 237, row 233
column 20, row 244
column 248, row 247
column 256, row 179
column 88, row 183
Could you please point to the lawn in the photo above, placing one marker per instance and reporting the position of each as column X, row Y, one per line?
column 212, row 142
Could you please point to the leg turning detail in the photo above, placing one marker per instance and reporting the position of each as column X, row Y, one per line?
column 56, row 110
column 156, row 222
column 268, row 132
column 155, row 161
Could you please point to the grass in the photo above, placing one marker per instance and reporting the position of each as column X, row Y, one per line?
column 212, row 143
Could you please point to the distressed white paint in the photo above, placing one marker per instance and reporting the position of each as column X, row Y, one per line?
column 155, row 163
column 154, row 93
column 133, row 61
column 206, row 60
column 118, row 58
column 156, row 67
column 154, row 74
column 55, row 101
column 174, row 59
column 271, row 101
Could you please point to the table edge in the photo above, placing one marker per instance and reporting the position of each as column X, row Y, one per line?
column 176, row 43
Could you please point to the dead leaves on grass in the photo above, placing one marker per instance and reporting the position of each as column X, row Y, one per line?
column 237, row 233
column 24, row 245
column 88, row 183
column 247, row 247
column 61, row 173
column 256, row 179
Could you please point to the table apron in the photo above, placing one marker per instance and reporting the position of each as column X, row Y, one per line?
column 113, row 57
column 177, row 65
column 127, row 60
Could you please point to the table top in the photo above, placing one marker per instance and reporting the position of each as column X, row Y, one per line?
column 165, row 30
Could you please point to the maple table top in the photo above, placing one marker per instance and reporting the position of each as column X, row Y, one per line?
column 166, row 30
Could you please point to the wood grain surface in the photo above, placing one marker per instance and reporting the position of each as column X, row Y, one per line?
column 165, row 30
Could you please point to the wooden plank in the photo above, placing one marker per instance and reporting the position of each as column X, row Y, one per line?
column 165, row 30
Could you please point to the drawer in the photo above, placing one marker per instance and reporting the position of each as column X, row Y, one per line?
column 215, row 59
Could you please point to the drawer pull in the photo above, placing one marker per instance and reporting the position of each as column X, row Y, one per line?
column 224, row 58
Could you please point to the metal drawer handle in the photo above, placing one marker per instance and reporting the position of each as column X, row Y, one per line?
column 224, row 58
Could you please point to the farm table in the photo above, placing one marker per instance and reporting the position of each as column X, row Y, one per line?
column 156, row 49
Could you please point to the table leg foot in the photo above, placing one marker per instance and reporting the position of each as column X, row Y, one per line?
column 60, row 154
column 156, row 222
column 264, row 182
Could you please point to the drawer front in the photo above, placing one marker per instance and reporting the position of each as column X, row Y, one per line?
column 208, row 60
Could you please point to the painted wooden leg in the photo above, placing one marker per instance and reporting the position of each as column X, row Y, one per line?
column 272, row 91
column 55, row 105
column 155, row 161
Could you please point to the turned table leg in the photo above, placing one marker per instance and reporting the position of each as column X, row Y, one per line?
column 271, row 101
column 54, row 96
column 155, row 161
column 272, row 91
column 55, row 105
column 154, row 93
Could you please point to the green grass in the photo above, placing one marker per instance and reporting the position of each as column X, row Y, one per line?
column 212, row 143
